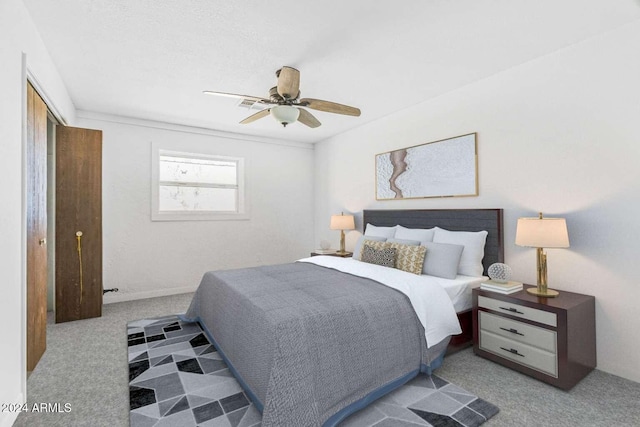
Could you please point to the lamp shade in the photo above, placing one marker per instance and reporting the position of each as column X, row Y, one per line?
column 342, row 222
column 285, row 114
column 542, row 233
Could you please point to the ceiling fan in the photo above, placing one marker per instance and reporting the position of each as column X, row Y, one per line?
column 286, row 103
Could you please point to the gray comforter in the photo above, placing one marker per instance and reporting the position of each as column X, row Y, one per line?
column 308, row 340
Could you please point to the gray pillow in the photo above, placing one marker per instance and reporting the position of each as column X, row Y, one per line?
column 442, row 259
column 404, row 242
column 358, row 247
column 385, row 257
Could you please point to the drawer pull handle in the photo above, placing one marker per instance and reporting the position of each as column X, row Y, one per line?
column 511, row 309
column 513, row 331
column 512, row 351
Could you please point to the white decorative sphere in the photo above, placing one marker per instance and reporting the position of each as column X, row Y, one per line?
column 325, row 244
column 499, row 272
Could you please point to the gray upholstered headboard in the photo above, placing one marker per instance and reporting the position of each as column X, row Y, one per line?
column 450, row 219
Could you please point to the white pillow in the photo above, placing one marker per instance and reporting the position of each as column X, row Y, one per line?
column 386, row 232
column 420, row 234
column 473, row 242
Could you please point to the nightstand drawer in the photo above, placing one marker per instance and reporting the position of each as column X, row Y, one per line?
column 517, row 310
column 523, row 354
column 518, row 331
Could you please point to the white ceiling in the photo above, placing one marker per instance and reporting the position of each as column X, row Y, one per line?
column 152, row 59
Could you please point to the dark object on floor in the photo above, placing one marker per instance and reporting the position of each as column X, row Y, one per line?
column 176, row 375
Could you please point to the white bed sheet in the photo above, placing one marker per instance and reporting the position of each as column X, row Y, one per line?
column 459, row 290
column 427, row 295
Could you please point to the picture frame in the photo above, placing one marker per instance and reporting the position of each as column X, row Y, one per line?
column 444, row 168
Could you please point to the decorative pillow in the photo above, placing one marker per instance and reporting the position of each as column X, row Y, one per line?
column 386, row 232
column 385, row 257
column 442, row 259
column 409, row 258
column 358, row 248
column 473, row 242
column 375, row 244
column 419, row 234
column 404, row 242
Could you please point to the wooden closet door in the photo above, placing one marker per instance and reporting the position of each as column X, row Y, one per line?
column 36, row 227
column 78, row 209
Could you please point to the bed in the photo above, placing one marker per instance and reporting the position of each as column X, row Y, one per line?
column 454, row 220
column 314, row 341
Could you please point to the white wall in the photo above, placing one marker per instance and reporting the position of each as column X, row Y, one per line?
column 143, row 258
column 17, row 36
column 560, row 135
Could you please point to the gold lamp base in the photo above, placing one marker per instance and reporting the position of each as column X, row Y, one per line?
column 541, row 289
column 341, row 251
column 548, row 293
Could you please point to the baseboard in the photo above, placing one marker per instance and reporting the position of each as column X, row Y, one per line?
column 120, row 296
column 8, row 418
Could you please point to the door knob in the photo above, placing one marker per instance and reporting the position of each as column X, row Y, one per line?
column 42, row 242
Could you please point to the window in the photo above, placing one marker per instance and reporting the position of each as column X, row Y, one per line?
column 197, row 186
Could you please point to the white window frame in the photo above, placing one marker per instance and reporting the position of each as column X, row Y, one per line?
column 158, row 215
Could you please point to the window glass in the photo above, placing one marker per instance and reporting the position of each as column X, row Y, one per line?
column 191, row 186
column 203, row 171
column 183, row 198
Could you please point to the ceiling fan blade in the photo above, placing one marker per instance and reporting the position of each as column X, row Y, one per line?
column 256, row 116
column 235, row 95
column 306, row 118
column 329, row 107
column 288, row 82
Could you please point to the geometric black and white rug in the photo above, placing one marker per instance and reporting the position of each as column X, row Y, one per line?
column 177, row 378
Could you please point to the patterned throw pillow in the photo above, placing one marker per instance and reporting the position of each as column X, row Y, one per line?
column 410, row 258
column 357, row 250
column 375, row 244
column 385, row 257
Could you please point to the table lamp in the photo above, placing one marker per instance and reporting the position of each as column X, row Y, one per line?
column 542, row 233
column 342, row 222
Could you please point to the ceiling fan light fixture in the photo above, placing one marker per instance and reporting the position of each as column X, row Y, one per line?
column 284, row 103
column 285, row 114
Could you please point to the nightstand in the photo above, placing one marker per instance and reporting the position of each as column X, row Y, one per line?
column 347, row 255
column 551, row 339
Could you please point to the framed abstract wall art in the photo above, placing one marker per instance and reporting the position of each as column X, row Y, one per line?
column 445, row 168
